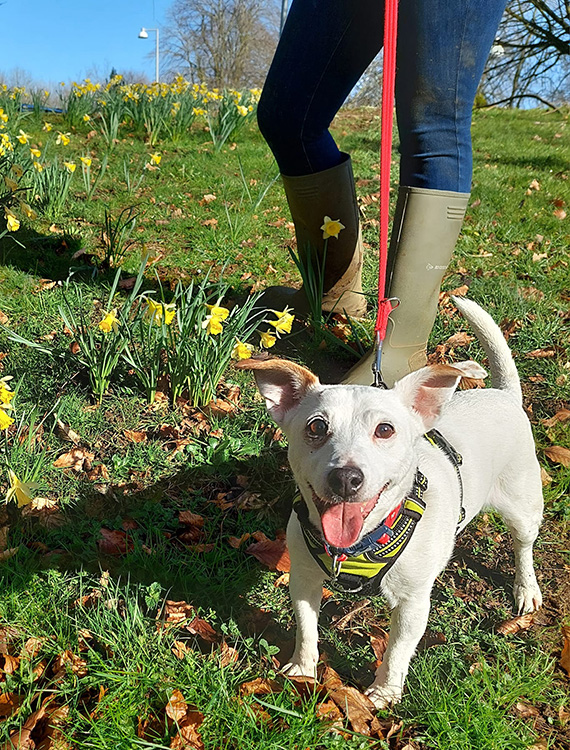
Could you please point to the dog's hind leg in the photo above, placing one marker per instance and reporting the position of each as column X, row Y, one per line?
column 407, row 625
column 519, row 501
column 306, row 589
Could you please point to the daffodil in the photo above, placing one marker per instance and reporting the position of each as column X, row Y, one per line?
column 35, row 152
column 11, row 184
column 3, row 115
column 12, row 222
column 331, row 227
column 155, row 158
column 62, row 139
column 5, row 420
column 157, row 310
column 85, row 160
column 6, row 393
column 38, row 166
column 70, row 166
column 242, row 350
column 110, row 322
column 213, row 325
column 23, row 137
column 218, row 312
column 22, row 491
column 267, row 339
column 86, row 118
column 28, row 211
column 47, row 127
column 284, row 321
column 242, row 110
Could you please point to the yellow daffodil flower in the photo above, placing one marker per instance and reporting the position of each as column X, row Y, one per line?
column 156, row 311
column 11, row 184
column 3, row 115
column 35, row 152
column 47, row 127
column 242, row 110
column 62, row 139
column 23, row 137
column 267, row 339
column 6, row 393
column 28, row 211
column 155, row 159
column 284, row 321
column 213, row 325
column 22, row 491
column 110, row 322
column 5, row 420
column 38, row 166
column 242, row 350
column 17, row 171
column 86, row 118
column 218, row 312
column 70, row 166
column 12, row 222
column 331, row 228
column 85, row 160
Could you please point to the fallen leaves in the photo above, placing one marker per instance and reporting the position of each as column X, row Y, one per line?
column 558, row 455
column 77, row 459
column 563, row 415
column 565, row 655
column 114, row 542
column 510, row 627
column 187, row 722
column 273, row 554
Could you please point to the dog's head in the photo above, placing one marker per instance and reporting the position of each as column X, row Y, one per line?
column 351, row 447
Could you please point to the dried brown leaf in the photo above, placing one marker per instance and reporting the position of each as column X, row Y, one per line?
column 78, row 459
column 64, row 432
column 9, row 704
column 260, row 686
column 558, row 455
column 525, row 710
column 565, row 655
column 510, row 627
column 136, row 436
column 562, row 415
column 274, row 554
column 236, row 542
column 228, row 655
column 358, row 708
column 541, row 354
column 176, row 707
column 114, row 542
column 187, row 518
column 462, row 338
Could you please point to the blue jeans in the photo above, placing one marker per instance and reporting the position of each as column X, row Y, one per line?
column 326, row 46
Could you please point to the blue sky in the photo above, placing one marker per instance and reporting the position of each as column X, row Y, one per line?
column 64, row 40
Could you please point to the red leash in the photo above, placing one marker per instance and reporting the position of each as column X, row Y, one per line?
column 385, row 306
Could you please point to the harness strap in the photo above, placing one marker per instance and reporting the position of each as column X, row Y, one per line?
column 436, row 438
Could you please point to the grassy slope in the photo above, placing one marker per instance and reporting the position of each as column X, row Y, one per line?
column 462, row 694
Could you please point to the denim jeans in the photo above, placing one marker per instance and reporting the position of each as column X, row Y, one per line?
column 326, row 46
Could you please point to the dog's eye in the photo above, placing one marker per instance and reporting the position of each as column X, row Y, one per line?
column 384, row 430
column 317, row 428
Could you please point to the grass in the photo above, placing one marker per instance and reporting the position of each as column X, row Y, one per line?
column 65, row 589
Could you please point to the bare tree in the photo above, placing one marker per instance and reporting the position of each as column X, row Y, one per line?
column 531, row 57
column 225, row 43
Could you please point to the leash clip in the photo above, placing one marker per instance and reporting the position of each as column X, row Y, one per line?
column 377, row 363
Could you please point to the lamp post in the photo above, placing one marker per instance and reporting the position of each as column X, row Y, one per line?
column 143, row 34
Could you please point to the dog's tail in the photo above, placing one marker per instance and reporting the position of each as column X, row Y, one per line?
column 504, row 373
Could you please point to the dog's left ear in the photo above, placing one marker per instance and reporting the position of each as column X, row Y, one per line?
column 426, row 391
column 282, row 384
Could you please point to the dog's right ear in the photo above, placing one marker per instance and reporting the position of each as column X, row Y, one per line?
column 282, row 384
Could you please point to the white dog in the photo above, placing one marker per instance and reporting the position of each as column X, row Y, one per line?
column 381, row 501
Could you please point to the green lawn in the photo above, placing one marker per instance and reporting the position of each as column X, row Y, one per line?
column 91, row 653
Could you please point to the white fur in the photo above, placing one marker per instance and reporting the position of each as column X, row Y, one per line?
column 500, row 471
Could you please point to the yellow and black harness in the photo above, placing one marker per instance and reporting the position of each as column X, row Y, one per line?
column 362, row 567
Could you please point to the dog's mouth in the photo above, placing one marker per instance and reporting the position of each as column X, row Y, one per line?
column 342, row 522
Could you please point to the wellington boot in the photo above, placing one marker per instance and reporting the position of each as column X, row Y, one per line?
column 425, row 229
column 312, row 197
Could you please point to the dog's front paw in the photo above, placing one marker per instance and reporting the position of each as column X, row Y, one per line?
column 383, row 695
column 527, row 596
column 300, row 669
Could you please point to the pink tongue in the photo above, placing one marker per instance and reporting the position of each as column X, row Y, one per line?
column 342, row 524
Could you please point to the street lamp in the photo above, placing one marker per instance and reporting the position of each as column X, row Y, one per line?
column 143, row 34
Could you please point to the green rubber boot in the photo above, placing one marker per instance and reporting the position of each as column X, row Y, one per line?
column 425, row 229
column 311, row 198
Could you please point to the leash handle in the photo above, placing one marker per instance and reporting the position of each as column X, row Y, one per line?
column 385, row 306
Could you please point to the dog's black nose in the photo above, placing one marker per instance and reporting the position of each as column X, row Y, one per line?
column 346, row 481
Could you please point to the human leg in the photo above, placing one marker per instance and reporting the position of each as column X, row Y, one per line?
column 324, row 49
